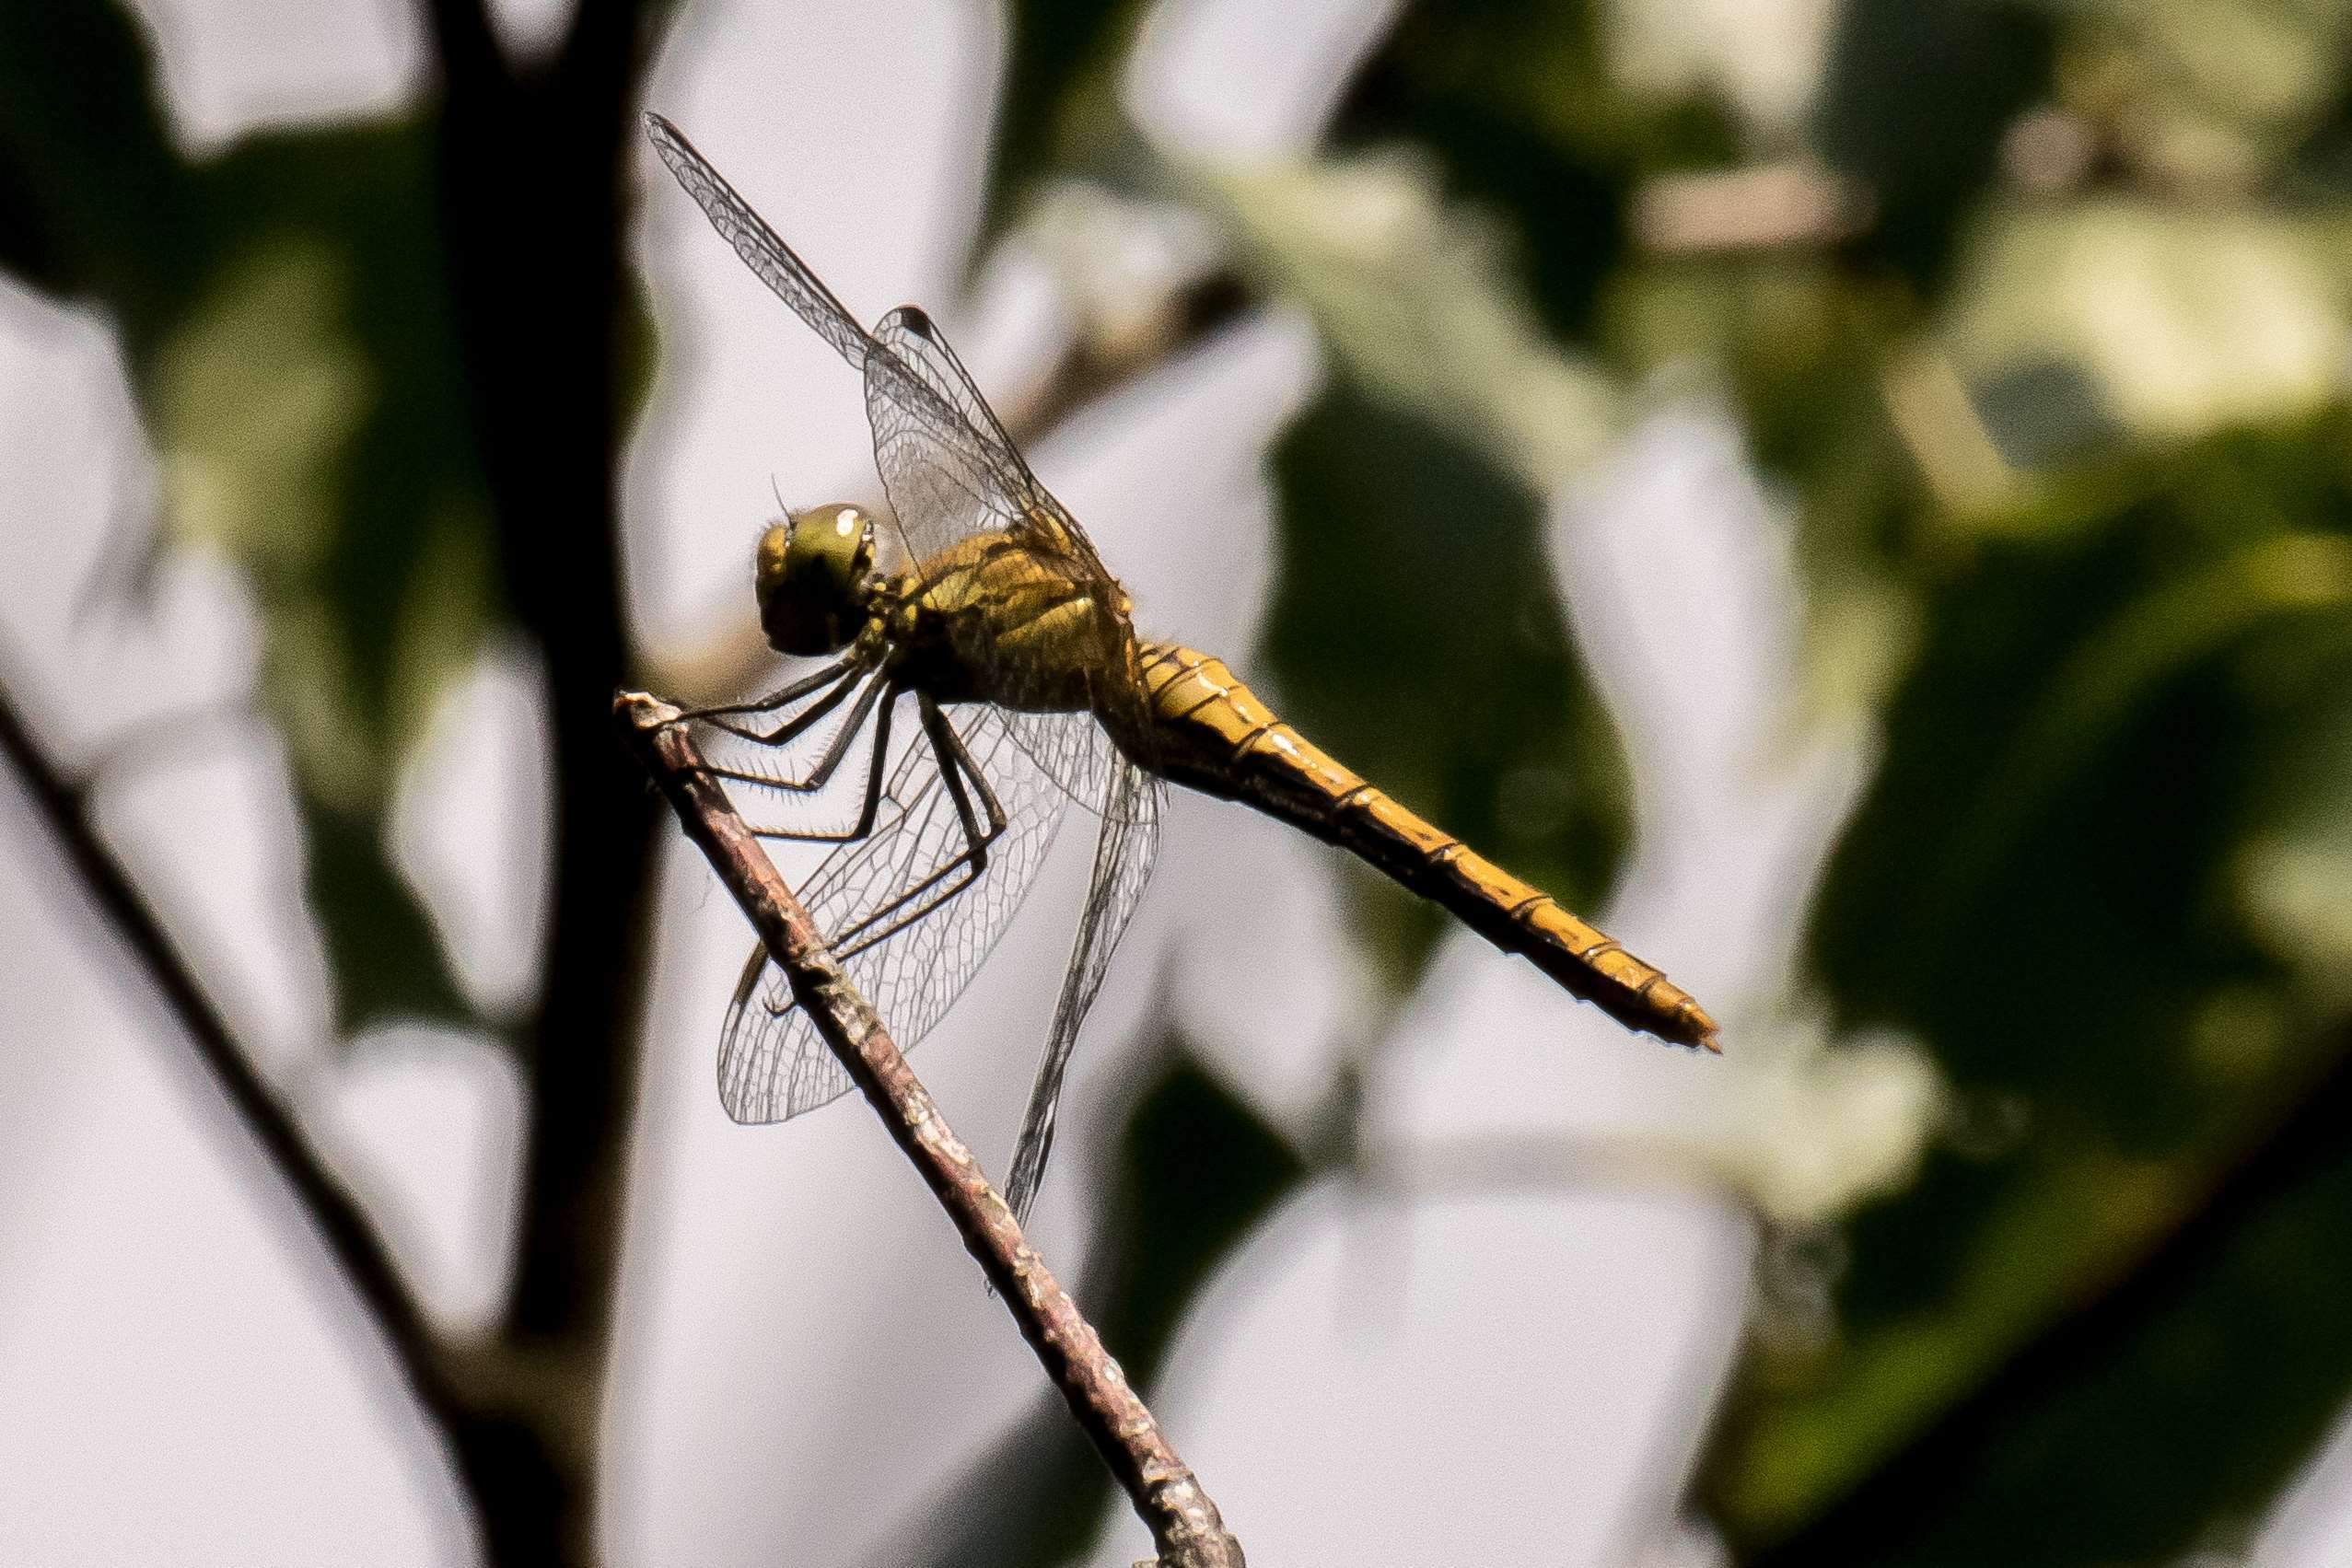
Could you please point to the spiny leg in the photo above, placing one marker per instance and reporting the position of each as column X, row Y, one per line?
column 955, row 767
column 791, row 691
column 823, row 772
column 895, row 915
column 788, row 730
column 873, row 803
column 949, row 745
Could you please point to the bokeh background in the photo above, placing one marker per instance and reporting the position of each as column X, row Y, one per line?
column 1856, row 494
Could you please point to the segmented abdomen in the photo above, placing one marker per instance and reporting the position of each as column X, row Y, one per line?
column 1210, row 731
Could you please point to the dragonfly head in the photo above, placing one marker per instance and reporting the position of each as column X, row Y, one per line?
column 812, row 572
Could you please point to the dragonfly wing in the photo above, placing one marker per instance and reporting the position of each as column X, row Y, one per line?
column 887, row 379
column 977, row 478
column 899, row 910
column 762, row 252
column 776, row 786
column 1123, row 858
column 915, row 383
column 946, row 474
column 1077, row 753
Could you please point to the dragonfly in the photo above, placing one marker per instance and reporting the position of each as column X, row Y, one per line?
column 979, row 603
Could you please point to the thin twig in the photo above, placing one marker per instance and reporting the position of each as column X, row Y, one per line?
column 1186, row 1525
column 353, row 1240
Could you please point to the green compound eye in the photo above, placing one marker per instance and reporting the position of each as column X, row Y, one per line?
column 812, row 569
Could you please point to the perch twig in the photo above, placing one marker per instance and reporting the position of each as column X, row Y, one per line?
column 1184, row 1524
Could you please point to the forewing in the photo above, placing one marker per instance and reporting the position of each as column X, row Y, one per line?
column 762, row 252
column 945, row 458
column 877, row 899
column 918, row 394
column 1122, row 860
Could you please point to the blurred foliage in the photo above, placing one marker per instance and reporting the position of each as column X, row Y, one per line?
column 2064, row 419
column 2046, row 883
column 279, row 305
column 1058, row 98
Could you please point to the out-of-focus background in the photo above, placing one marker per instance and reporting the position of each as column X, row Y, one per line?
column 1856, row 494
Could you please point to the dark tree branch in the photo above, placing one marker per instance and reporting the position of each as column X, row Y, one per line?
column 464, row 44
column 533, row 201
column 1186, row 1525
column 350, row 1238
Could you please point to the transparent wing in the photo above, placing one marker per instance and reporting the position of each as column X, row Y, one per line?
column 761, row 251
column 890, row 382
column 1123, row 858
column 945, row 458
column 777, row 786
column 951, row 477
column 918, row 394
column 903, row 913
column 1077, row 754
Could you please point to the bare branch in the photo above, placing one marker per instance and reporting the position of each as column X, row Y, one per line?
column 1186, row 1525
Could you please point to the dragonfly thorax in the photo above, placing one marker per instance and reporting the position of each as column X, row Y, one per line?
column 812, row 573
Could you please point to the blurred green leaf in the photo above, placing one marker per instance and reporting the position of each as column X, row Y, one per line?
column 312, row 412
column 1917, row 97
column 94, row 201
column 2206, row 96
column 284, row 311
column 1058, row 109
column 2185, row 322
column 2294, row 868
column 1414, row 299
column 2042, row 884
column 2159, row 1421
column 1514, row 102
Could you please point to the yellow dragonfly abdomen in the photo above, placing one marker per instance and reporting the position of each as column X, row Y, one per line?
column 1210, row 731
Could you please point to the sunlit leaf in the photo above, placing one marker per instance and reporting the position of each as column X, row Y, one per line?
column 1413, row 298
column 2203, row 95
column 2183, row 322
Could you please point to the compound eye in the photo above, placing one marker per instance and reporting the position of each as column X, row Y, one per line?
column 849, row 522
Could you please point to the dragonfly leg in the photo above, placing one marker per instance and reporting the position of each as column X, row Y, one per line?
column 841, row 674
column 873, row 792
column 956, row 764
column 821, row 773
column 956, row 769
